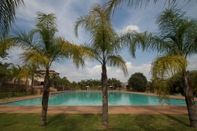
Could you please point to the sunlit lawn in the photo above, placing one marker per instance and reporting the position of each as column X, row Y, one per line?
column 30, row 122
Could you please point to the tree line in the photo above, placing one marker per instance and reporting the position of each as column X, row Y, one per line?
column 93, row 84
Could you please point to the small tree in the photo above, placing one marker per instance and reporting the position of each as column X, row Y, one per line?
column 138, row 82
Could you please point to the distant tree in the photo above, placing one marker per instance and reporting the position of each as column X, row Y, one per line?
column 73, row 84
column 176, row 84
column 32, row 73
column 5, row 69
column 138, row 82
column 57, row 82
column 65, row 82
column 93, row 83
column 193, row 76
column 114, row 82
column 15, row 74
column 150, row 86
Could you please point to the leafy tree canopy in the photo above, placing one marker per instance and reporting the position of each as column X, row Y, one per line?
column 176, row 85
column 138, row 82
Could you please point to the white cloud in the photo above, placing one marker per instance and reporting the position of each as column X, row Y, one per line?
column 13, row 56
column 192, row 63
column 94, row 72
column 131, row 28
column 66, row 11
column 143, row 68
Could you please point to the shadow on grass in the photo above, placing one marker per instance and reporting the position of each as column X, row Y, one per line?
column 144, row 122
column 153, row 122
column 175, row 119
column 90, row 122
column 74, row 122
column 82, row 122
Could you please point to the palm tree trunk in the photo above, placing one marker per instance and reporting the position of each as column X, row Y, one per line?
column 32, row 84
column 19, row 83
column 1, row 83
column 13, row 91
column 26, row 82
column 189, row 98
column 105, row 96
column 45, row 98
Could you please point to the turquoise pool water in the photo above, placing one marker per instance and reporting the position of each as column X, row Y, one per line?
column 94, row 99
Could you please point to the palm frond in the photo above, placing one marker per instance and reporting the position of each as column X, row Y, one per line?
column 7, row 13
column 5, row 44
column 170, row 20
column 166, row 66
column 136, row 40
column 163, row 68
column 32, row 57
column 112, row 5
column 105, row 43
column 177, row 33
column 24, row 40
column 118, row 61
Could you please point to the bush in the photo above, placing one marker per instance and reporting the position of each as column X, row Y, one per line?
column 138, row 82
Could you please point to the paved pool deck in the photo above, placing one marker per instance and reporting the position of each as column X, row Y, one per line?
column 94, row 109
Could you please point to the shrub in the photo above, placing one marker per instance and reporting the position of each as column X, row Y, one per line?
column 138, row 82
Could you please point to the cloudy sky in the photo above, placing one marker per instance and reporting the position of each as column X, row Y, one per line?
column 124, row 19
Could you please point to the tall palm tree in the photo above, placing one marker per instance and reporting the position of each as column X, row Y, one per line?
column 104, row 47
column 42, row 47
column 176, row 42
column 7, row 13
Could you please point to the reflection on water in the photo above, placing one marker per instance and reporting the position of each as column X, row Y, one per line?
column 95, row 99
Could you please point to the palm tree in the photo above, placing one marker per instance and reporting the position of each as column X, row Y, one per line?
column 176, row 42
column 4, row 72
column 112, row 5
column 7, row 13
column 42, row 47
column 5, row 44
column 104, row 47
column 16, row 75
column 30, row 72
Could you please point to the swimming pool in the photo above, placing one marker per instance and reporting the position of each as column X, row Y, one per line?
column 94, row 99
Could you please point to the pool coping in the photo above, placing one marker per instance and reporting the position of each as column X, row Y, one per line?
column 95, row 109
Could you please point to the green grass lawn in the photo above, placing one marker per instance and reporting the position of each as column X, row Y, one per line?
column 3, row 95
column 30, row 122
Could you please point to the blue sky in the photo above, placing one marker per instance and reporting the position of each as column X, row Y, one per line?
column 67, row 12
